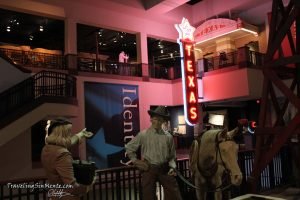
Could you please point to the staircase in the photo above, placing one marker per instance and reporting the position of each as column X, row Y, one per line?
column 45, row 94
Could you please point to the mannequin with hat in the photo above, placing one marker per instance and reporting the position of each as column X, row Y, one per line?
column 57, row 159
column 158, row 157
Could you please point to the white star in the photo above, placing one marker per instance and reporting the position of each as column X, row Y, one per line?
column 186, row 31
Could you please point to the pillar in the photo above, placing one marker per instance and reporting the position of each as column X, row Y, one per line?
column 71, row 45
column 142, row 53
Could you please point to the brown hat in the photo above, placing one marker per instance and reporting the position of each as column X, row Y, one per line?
column 160, row 111
column 57, row 122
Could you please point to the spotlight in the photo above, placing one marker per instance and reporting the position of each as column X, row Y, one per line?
column 8, row 28
column 41, row 28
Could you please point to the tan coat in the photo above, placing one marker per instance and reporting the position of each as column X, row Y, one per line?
column 57, row 162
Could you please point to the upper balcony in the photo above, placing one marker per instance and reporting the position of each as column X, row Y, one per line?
column 40, row 60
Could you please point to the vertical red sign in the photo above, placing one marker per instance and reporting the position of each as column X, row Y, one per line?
column 188, row 70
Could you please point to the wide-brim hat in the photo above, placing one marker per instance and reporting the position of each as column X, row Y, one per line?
column 57, row 122
column 161, row 111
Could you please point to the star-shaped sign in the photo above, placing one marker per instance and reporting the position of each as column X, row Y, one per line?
column 185, row 30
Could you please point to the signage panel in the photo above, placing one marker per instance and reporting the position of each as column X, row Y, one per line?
column 188, row 70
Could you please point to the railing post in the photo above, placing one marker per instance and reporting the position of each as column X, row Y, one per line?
column 243, row 56
column 71, row 63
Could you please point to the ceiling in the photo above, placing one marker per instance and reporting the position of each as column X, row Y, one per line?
column 25, row 30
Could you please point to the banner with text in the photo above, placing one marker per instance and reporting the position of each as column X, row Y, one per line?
column 112, row 114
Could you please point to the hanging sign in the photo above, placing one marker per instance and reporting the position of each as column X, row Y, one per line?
column 188, row 70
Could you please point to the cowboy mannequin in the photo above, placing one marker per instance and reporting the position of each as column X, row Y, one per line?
column 158, row 157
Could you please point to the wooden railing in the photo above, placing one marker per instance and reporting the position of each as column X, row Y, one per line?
column 43, row 84
column 35, row 59
column 125, row 182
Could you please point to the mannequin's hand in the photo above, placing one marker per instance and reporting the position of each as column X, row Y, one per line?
column 85, row 133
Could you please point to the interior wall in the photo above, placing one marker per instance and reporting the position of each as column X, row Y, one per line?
column 12, row 75
column 16, row 159
column 243, row 41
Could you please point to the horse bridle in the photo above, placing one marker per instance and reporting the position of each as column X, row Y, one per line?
column 214, row 167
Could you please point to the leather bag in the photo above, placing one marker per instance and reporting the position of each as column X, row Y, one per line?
column 84, row 171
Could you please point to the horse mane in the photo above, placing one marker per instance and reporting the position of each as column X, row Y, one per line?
column 194, row 152
column 207, row 156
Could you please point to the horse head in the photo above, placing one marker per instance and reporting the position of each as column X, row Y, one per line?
column 228, row 153
column 212, row 154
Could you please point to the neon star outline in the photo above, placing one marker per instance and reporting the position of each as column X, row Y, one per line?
column 185, row 30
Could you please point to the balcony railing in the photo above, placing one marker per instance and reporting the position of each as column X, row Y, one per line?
column 241, row 58
column 35, row 59
column 108, row 67
column 161, row 72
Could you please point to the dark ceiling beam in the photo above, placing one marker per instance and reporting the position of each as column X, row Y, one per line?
column 150, row 3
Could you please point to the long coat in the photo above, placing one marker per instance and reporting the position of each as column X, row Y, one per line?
column 57, row 162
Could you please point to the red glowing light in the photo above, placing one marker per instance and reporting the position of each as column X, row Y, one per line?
column 192, row 98
column 253, row 124
column 190, row 87
column 191, row 81
column 193, row 113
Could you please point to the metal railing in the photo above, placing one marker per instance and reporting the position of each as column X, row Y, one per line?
column 125, row 182
column 256, row 58
column 221, row 61
column 161, row 72
column 44, row 83
column 52, row 61
column 35, row 59
column 108, row 67
column 224, row 60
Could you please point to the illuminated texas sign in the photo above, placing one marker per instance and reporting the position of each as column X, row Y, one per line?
column 188, row 70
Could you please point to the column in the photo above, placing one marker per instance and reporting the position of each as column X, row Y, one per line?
column 71, row 45
column 142, row 53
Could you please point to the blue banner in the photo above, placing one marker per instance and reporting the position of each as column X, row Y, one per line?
column 112, row 114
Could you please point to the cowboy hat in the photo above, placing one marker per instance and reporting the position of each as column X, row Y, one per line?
column 160, row 111
column 51, row 124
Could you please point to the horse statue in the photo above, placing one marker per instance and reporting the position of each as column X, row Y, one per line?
column 211, row 156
